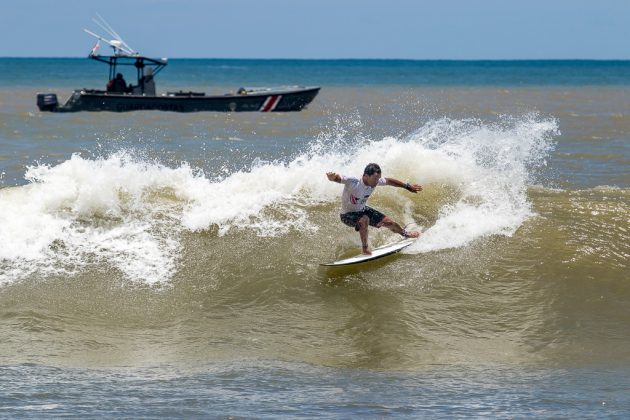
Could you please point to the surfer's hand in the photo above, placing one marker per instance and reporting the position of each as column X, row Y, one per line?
column 414, row 188
column 332, row 176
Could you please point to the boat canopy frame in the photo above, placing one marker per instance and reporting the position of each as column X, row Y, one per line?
column 138, row 61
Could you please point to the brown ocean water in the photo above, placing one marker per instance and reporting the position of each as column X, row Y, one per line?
column 186, row 248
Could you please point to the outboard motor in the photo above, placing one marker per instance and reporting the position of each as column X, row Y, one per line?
column 47, row 101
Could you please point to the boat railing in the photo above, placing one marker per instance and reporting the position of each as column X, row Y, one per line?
column 185, row 94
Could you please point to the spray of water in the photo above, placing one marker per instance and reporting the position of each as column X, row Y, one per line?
column 129, row 213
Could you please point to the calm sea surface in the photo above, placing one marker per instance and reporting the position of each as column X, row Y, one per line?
column 167, row 265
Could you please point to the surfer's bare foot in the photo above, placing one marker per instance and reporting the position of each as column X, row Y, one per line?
column 412, row 234
column 366, row 250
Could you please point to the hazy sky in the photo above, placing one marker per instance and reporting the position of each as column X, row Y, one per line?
column 437, row 29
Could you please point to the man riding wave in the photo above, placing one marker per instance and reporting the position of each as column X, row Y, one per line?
column 354, row 211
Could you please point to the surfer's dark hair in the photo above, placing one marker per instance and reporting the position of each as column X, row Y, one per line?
column 372, row 169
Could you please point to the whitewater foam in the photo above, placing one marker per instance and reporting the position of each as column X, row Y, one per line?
column 491, row 164
column 130, row 214
column 90, row 210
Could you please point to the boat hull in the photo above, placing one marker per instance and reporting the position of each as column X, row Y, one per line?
column 272, row 101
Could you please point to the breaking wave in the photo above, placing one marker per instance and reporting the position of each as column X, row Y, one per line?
column 128, row 213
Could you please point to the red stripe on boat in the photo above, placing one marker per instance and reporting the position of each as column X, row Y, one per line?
column 270, row 103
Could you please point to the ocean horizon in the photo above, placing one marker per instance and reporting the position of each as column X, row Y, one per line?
column 333, row 72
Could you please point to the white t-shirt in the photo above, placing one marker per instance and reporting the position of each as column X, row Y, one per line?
column 355, row 193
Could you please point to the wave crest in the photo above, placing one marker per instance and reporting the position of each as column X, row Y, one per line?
column 131, row 214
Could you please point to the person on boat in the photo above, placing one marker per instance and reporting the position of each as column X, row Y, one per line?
column 354, row 211
column 118, row 84
column 148, row 83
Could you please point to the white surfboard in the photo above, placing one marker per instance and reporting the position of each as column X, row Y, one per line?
column 376, row 254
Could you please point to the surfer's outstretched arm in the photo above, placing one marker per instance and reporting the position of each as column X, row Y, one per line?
column 414, row 188
column 333, row 176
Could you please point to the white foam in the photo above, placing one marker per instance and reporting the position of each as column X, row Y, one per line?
column 130, row 214
column 491, row 165
column 90, row 210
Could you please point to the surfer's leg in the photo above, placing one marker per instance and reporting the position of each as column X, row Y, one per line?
column 378, row 219
column 396, row 228
column 391, row 225
column 360, row 222
column 363, row 224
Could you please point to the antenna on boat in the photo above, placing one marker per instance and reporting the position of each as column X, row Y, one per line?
column 118, row 44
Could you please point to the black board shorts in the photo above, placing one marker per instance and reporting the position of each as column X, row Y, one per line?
column 352, row 218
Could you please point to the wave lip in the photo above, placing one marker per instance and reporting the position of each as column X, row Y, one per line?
column 491, row 166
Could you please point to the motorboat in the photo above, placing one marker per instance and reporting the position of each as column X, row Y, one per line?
column 142, row 95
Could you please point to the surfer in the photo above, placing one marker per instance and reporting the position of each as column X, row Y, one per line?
column 355, row 213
